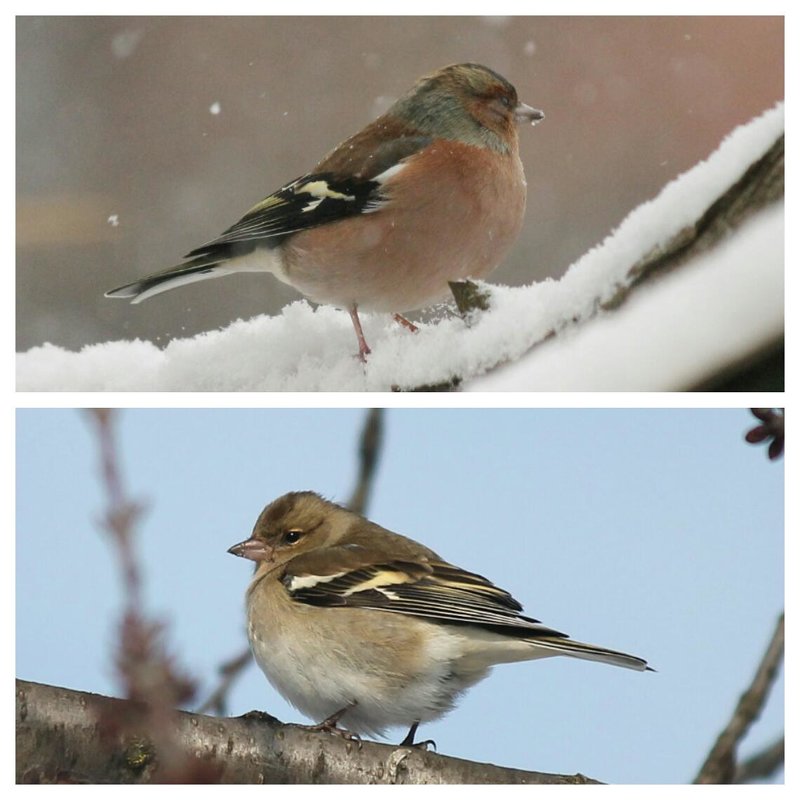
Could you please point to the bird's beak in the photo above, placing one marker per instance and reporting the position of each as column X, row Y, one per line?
column 524, row 113
column 254, row 549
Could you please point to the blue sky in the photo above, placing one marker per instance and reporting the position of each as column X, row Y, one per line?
column 657, row 532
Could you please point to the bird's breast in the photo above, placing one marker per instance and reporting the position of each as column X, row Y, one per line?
column 452, row 212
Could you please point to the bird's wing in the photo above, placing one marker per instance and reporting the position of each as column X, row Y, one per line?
column 350, row 576
column 320, row 197
column 432, row 589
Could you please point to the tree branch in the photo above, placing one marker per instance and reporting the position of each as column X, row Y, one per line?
column 148, row 674
column 229, row 671
column 760, row 185
column 761, row 764
column 59, row 741
column 369, row 451
column 720, row 765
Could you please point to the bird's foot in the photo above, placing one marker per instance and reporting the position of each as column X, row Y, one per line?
column 409, row 740
column 406, row 323
column 330, row 725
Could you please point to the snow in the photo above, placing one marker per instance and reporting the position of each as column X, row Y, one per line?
column 673, row 335
column 722, row 306
column 124, row 44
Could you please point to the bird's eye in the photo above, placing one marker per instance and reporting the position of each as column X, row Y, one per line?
column 505, row 100
column 292, row 537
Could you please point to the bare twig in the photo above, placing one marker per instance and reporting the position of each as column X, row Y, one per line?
column 720, row 765
column 149, row 676
column 217, row 701
column 369, row 451
column 121, row 514
column 762, row 764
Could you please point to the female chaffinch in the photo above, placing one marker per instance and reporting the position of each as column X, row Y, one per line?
column 351, row 621
column 432, row 191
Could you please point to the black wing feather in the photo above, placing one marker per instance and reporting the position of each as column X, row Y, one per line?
column 307, row 202
column 439, row 591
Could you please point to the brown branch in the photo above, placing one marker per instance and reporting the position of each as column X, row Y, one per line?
column 720, row 765
column 147, row 673
column 121, row 513
column 469, row 297
column 760, row 186
column 217, row 701
column 58, row 742
column 762, row 764
column 369, row 452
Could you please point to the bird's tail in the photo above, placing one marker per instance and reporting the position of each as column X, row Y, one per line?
column 198, row 269
column 591, row 652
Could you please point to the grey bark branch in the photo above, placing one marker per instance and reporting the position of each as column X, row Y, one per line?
column 59, row 741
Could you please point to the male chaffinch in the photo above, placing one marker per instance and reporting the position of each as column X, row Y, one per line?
column 432, row 191
column 351, row 621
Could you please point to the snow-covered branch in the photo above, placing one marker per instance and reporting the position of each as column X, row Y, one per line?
column 614, row 321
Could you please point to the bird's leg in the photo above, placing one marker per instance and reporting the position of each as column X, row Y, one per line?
column 330, row 725
column 406, row 323
column 363, row 347
column 409, row 740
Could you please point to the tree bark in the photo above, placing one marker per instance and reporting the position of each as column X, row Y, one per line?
column 720, row 764
column 59, row 740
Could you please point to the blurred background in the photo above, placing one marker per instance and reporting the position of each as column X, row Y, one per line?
column 140, row 138
column 659, row 532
